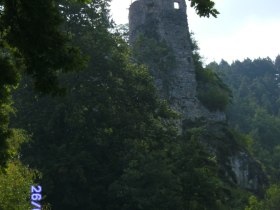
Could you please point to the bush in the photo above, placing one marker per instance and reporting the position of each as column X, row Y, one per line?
column 212, row 92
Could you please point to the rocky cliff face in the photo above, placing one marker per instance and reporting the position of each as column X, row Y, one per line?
column 235, row 162
column 160, row 38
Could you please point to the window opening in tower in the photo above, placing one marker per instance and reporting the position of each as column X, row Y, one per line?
column 176, row 5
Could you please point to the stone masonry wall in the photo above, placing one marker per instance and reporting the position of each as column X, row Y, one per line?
column 159, row 18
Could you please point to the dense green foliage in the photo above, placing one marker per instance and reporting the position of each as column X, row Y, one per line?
column 255, row 108
column 270, row 202
column 31, row 41
column 204, row 8
column 211, row 90
column 224, row 143
column 15, row 186
column 16, row 179
column 255, row 112
column 110, row 142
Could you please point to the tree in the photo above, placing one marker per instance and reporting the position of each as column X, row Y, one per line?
column 109, row 125
column 204, row 8
column 212, row 91
column 16, row 179
column 255, row 107
column 108, row 143
column 270, row 202
column 111, row 116
column 31, row 42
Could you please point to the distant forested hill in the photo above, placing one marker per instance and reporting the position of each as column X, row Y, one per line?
column 255, row 109
column 256, row 97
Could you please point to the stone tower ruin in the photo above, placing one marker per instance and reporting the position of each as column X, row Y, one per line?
column 159, row 36
column 163, row 24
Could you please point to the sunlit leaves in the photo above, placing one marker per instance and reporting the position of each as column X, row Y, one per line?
column 271, row 200
column 16, row 179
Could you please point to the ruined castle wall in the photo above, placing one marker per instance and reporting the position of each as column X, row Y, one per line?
column 159, row 21
column 159, row 18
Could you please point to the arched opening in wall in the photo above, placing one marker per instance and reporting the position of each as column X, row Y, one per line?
column 176, row 5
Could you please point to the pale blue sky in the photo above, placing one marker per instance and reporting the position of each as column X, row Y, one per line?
column 245, row 28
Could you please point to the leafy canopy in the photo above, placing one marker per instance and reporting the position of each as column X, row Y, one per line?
column 204, row 8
